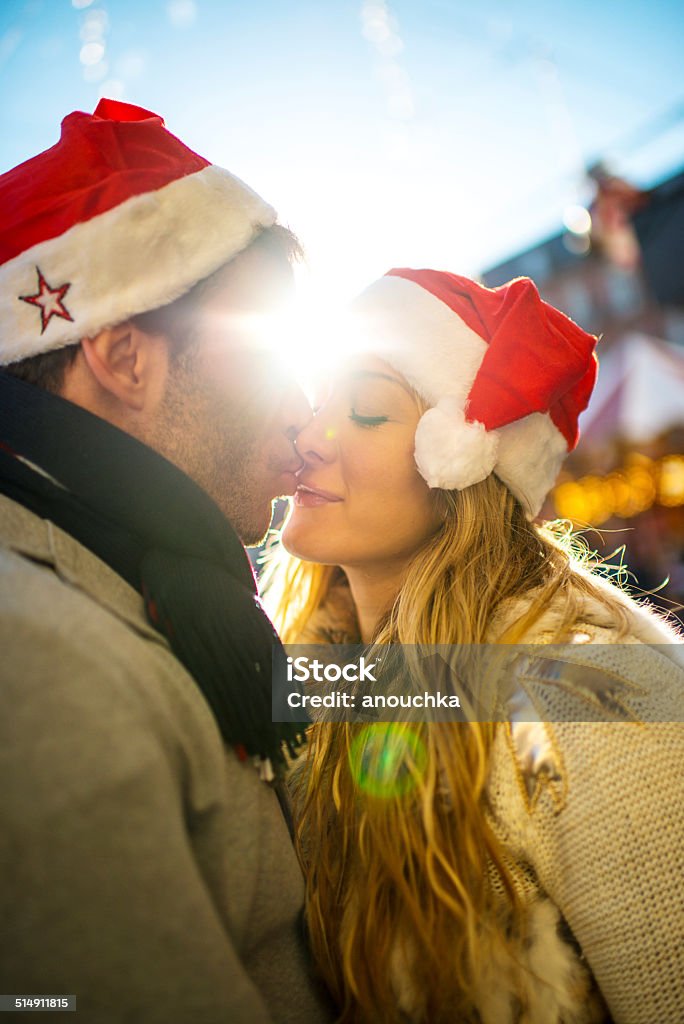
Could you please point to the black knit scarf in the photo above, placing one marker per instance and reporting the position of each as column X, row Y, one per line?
column 153, row 526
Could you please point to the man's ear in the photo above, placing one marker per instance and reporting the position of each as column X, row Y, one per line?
column 128, row 364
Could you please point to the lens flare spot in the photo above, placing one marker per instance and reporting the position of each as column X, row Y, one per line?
column 387, row 759
column 330, row 434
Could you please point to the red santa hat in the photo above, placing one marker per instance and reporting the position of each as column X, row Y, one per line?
column 506, row 376
column 119, row 217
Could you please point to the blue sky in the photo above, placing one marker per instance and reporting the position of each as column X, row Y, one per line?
column 405, row 132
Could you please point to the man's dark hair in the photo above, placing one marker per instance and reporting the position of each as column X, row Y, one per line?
column 176, row 320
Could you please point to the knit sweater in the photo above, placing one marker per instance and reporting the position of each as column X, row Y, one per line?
column 593, row 813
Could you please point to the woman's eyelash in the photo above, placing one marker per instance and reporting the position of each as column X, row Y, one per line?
column 367, row 421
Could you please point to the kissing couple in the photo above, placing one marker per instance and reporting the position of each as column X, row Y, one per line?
column 162, row 859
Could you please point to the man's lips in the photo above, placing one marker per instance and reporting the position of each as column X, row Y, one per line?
column 310, row 497
column 288, row 482
column 288, row 475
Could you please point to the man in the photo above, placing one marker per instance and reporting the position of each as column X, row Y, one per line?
column 145, row 862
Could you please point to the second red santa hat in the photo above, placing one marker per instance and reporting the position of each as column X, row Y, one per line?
column 505, row 373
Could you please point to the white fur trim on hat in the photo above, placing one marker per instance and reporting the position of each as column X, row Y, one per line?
column 141, row 254
column 420, row 336
column 450, row 452
column 531, row 452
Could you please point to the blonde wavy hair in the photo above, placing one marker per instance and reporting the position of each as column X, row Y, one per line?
column 415, row 885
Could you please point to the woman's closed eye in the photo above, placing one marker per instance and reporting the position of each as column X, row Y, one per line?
column 367, row 421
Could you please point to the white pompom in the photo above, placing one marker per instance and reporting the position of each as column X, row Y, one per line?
column 450, row 452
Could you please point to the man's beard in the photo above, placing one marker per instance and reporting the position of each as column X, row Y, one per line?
column 228, row 473
column 221, row 454
column 250, row 518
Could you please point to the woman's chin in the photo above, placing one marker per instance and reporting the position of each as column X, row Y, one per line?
column 298, row 544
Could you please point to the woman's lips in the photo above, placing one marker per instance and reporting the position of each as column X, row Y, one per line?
column 309, row 497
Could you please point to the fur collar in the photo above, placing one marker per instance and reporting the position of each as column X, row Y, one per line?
column 335, row 621
column 545, row 972
column 646, row 624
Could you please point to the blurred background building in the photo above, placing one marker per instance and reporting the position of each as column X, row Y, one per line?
column 617, row 268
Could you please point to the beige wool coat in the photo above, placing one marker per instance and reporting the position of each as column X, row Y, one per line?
column 143, row 868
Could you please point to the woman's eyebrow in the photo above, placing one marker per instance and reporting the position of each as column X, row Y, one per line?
column 363, row 374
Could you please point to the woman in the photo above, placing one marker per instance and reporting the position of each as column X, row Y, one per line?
column 485, row 872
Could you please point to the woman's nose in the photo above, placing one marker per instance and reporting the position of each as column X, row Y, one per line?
column 316, row 441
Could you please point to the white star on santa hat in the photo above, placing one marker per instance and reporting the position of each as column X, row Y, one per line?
column 49, row 301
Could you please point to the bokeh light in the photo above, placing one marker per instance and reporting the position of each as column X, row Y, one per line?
column 387, row 759
column 577, row 219
column 91, row 53
column 671, row 481
column 624, row 493
column 182, row 13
